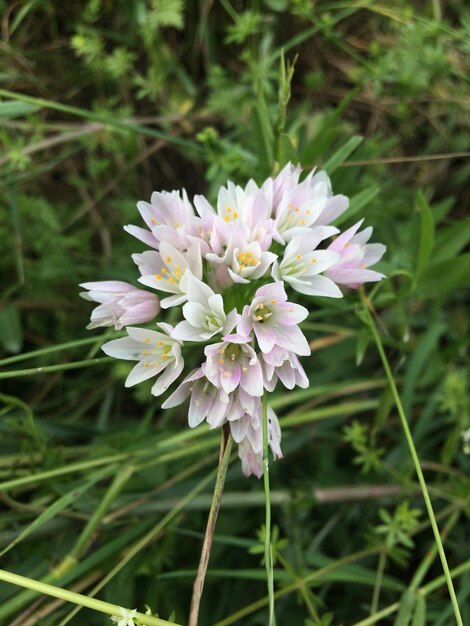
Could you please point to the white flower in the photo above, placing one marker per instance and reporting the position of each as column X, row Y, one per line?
column 155, row 352
column 204, row 314
column 126, row 618
column 302, row 264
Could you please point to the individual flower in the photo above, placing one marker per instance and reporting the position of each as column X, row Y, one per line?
column 249, row 263
column 156, row 352
column 169, row 270
column 280, row 364
column 355, row 256
column 274, row 320
column 126, row 618
column 302, row 264
column 120, row 304
column 206, row 400
column 233, row 363
column 250, row 446
column 204, row 314
column 167, row 217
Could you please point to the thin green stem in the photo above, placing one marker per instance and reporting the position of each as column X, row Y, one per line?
column 268, row 554
column 378, row 582
column 55, row 368
column 76, row 598
column 33, row 354
column 224, row 461
column 416, row 462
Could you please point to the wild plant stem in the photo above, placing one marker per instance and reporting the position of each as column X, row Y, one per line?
column 378, row 582
column 268, row 554
column 414, row 456
column 224, row 460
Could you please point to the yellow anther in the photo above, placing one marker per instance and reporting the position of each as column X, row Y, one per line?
column 227, row 373
column 235, row 215
column 164, row 270
column 308, row 211
column 147, row 340
column 221, row 361
column 171, row 280
column 260, row 306
column 177, row 225
column 242, row 267
column 158, row 277
column 159, row 343
column 298, row 257
column 302, row 222
column 153, row 220
column 289, row 219
column 249, row 253
column 144, row 351
column 222, row 350
column 258, row 318
column 273, row 301
column 146, row 364
column 297, row 209
column 164, row 356
column 232, row 357
column 197, row 402
column 244, row 369
column 226, row 218
column 229, row 210
column 362, row 265
column 168, row 259
column 314, row 260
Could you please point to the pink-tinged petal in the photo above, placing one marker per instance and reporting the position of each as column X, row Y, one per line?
column 184, row 331
column 200, row 404
column 272, row 291
column 230, row 323
column 143, row 371
column 140, row 313
column 239, row 428
column 237, row 278
column 320, row 260
column 230, row 378
column 170, row 374
column 292, row 338
column 142, row 235
column 218, row 412
column 124, row 348
column 290, row 314
column 334, row 207
column 176, row 300
column 184, row 390
column 315, row 286
column 252, row 380
column 266, row 338
column 108, row 285
column 374, row 252
column 363, row 237
column 197, row 291
column 244, row 324
column 355, row 277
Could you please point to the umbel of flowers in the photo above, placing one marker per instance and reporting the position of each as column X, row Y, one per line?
column 228, row 269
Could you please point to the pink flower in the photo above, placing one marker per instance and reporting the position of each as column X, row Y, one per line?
column 120, row 304
column 282, row 365
column 155, row 352
column 233, row 363
column 274, row 320
column 355, row 256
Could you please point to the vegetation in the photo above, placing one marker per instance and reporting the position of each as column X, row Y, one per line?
column 102, row 493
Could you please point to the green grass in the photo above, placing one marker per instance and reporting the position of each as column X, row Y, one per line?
column 103, row 494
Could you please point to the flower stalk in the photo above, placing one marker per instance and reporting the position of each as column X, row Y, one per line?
column 224, row 460
column 268, row 553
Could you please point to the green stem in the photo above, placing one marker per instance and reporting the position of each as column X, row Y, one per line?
column 33, row 354
column 378, row 582
column 224, row 461
column 76, row 598
column 414, row 456
column 268, row 555
column 55, row 368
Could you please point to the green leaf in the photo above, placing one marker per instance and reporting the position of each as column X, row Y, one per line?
column 287, row 151
column 358, row 202
column 405, row 610
column 419, row 618
column 451, row 241
column 263, row 129
column 14, row 108
column 340, row 156
column 329, row 130
column 11, row 331
column 426, row 242
column 440, row 278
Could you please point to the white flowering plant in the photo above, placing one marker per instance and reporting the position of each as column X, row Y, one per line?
column 228, row 268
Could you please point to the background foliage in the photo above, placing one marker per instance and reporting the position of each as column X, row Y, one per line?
column 101, row 103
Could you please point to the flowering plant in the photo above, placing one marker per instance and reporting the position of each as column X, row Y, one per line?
column 228, row 269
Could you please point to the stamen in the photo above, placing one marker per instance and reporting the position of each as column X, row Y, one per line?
column 227, row 373
column 221, row 361
column 168, row 259
column 158, row 276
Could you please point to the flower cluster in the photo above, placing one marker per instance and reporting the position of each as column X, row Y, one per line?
column 228, row 268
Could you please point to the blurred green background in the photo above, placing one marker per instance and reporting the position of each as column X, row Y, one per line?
column 102, row 102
